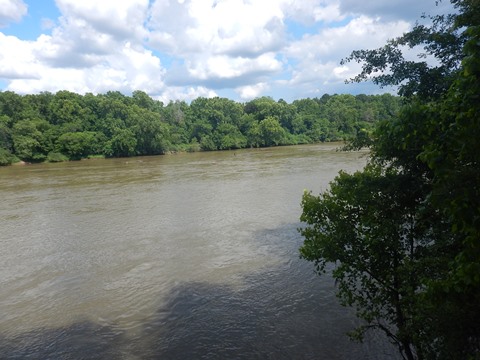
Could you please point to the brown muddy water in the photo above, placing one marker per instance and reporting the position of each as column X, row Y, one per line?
column 187, row 256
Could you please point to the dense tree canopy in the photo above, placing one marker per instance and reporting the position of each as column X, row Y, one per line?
column 65, row 125
column 405, row 232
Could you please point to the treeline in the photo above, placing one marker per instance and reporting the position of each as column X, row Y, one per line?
column 68, row 126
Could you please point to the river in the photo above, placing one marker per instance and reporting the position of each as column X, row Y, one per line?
column 184, row 256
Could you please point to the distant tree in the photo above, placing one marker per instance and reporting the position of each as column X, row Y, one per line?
column 122, row 143
column 39, row 105
column 78, row 145
column 61, row 121
column 260, row 107
column 272, row 133
column 30, row 142
column 6, row 141
column 66, row 107
column 12, row 105
column 341, row 111
column 207, row 143
column 228, row 136
column 6, row 157
column 201, row 129
column 254, row 135
column 151, row 132
column 141, row 99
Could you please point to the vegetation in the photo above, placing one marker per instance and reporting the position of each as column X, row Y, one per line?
column 65, row 125
column 404, row 233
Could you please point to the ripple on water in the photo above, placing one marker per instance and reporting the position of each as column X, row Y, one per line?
column 180, row 257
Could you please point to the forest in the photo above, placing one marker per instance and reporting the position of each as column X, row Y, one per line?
column 69, row 126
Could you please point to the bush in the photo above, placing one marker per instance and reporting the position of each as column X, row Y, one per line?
column 6, row 157
column 194, row 146
column 56, row 157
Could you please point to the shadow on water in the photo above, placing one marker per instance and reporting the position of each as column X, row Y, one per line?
column 260, row 321
column 82, row 340
column 207, row 322
column 276, row 312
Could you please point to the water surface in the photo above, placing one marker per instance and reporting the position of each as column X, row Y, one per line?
column 186, row 256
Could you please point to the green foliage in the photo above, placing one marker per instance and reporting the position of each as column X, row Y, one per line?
column 388, row 66
column 372, row 226
column 151, row 133
column 12, row 105
column 122, row 144
column 228, row 136
column 404, row 233
column 6, row 141
column 30, row 140
column 56, row 157
column 141, row 99
column 271, row 132
column 112, row 124
column 78, row 145
column 6, row 158
column 207, row 143
column 194, row 146
column 452, row 155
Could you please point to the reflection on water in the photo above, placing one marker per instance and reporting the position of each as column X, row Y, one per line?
column 173, row 257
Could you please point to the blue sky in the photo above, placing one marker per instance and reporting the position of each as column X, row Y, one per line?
column 183, row 49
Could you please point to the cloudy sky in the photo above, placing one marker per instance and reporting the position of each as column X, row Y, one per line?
column 183, row 49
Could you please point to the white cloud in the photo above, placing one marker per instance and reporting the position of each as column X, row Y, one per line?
column 318, row 56
column 90, row 29
column 68, row 79
column 89, row 51
column 11, row 11
column 18, row 61
column 220, row 41
column 228, row 27
column 120, row 19
column 207, row 46
column 360, row 33
column 126, row 69
column 410, row 10
column 218, row 67
column 252, row 91
column 188, row 94
column 311, row 11
column 237, row 43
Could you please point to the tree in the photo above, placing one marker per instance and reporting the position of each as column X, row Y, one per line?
column 388, row 66
column 175, row 115
column 6, row 158
column 254, row 135
column 272, row 132
column 342, row 113
column 405, row 231
column 12, row 105
column 39, row 105
column 78, row 145
column 122, row 143
column 452, row 154
column 5, row 133
column 67, row 107
column 30, row 140
column 141, row 99
column 366, row 225
column 228, row 136
column 152, row 134
column 37, row 127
